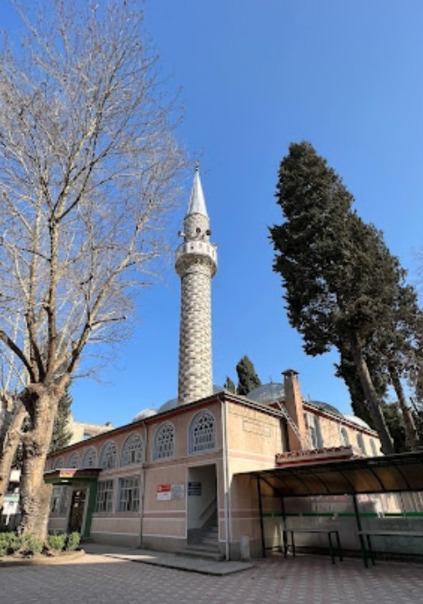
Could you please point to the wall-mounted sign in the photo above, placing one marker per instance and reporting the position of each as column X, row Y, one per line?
column 194, row 488
column 164, row 492
column 178, row 491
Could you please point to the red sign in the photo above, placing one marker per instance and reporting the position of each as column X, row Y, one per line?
column 164, row 488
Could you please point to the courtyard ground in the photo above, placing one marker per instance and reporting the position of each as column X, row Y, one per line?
column 103, row 579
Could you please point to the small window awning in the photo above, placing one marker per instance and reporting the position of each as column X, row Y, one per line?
column 385, row 474
column 71, row 475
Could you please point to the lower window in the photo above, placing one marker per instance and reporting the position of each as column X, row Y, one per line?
column 104, row 496
column 129, row 494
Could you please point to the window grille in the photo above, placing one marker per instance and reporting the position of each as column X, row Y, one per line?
column 59, row 463
column 164, row 441
column 202, row 432
column 73, row 460
column 108, row 456
column 129, row 494
column 132, row 450
column 104, row 496
column 90, row 458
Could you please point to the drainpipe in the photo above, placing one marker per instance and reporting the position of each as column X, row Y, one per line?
column 142, row 476
column 226, row 481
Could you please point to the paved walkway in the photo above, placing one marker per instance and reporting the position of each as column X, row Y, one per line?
column 109, row 577
column 195, row 565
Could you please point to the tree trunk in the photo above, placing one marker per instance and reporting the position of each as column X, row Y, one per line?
column 34, row 493
column 372, row 399
column 10, row 438
column 409, row 425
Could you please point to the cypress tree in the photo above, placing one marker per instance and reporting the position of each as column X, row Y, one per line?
column 339, row 278
column 247, row 376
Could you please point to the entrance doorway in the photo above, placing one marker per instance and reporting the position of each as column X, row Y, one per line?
column 202, row 501
column 77, row 508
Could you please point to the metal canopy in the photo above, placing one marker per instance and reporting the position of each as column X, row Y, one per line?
column 388, row 474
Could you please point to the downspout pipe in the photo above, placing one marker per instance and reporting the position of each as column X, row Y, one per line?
column 142, row 476
column 225, row 479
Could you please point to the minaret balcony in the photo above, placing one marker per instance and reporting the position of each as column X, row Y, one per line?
column 196, row 248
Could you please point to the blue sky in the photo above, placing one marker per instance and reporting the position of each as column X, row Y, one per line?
column 256, row 75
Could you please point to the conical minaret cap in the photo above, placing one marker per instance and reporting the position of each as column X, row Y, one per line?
column 197, row 203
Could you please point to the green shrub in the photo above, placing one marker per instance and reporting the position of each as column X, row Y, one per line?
column 9, row 543
column 72, row 542
column 4, row 544
column 57, row 541
column 31, row 545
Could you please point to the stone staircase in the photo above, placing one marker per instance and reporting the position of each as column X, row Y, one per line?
column 207, row 546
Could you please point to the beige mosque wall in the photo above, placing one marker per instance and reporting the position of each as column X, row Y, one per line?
column 253, row 437
column 337, row 432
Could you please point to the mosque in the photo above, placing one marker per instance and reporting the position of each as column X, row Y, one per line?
column 184, row 477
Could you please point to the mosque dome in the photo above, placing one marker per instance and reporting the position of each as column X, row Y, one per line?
column 325, row 407
column 274, row 391
column 173, row 402
column 357, row 420
column 267, row 393
column 144, row 413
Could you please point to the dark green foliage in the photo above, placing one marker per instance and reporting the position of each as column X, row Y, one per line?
column 343, row 288
column 229, row 385
column 347, row 370
column 396, row 428
column 61, row 434
column 247, row 376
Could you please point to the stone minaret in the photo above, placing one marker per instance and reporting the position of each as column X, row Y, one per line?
column 196, row 263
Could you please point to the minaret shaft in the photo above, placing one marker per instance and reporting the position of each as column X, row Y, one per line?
column 196, row 262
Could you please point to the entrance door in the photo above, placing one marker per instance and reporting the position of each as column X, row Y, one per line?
column 202, row 501
column 76, row 515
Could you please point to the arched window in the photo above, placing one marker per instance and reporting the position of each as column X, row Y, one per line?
column 344, row 437
column 360, row 443
column 132, row 451
column 164, row 441
column 108, row 456
column 59, row 463
column 73, row 460
column 373, row 447
column 202, row 432
column 90, row 458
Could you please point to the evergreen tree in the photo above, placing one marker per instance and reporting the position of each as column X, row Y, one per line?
column 247, row 376
column 229, row 385
column 61, row 433
column 341, row 282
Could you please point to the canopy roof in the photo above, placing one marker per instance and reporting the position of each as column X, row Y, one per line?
column 388, row 474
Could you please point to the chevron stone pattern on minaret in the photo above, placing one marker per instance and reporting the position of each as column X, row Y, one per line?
column 196, row 264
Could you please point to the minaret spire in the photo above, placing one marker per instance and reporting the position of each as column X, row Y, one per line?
column 196, row 264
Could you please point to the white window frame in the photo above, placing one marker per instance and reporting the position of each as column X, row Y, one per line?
column 90, row 459
column 202, row 440
column 73, row 460
column 129, row 494
column 104, row 500
column 164, row 441
column 132, row 450
column 108, row 457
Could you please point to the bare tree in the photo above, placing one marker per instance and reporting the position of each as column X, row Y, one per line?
column 88, row 168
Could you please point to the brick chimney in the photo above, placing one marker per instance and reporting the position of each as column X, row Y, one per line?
column 294, row 406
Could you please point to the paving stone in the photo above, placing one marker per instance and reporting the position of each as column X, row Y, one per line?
column 101, row 579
